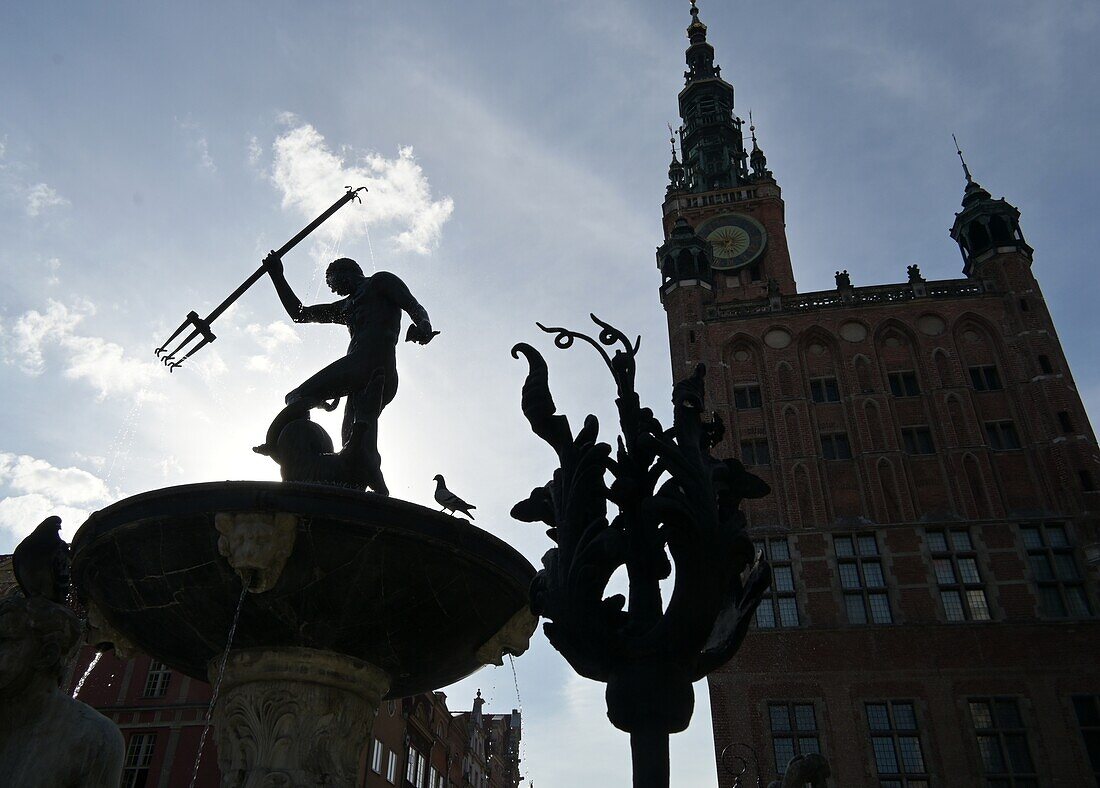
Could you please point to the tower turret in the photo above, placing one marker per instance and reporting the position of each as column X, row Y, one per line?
column 985, row 227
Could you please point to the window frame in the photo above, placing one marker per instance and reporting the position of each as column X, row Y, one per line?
column 959, row 585
column 1000, row 434
column 894, row 733
column 1089, row 730
column 157, row 680
column 824, row 390
column 903, row 383
column 1009, row 777
column 752, row 395
column 833, row 441
column 138, row 760
column 774, row 597
column 985, row 377
column 867, row 594
column 751, row 449
column 911, row 440
column 794, row 734
column 1051, row 551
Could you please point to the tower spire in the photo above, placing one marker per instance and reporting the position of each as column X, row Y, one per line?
column 966, row 170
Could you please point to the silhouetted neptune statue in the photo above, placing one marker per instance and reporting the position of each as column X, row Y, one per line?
column 371, row 308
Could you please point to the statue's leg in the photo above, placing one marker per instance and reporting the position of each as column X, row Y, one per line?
column 338, row 379
column 361, row 427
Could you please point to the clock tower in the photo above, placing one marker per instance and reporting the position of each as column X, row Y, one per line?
column 723, row 210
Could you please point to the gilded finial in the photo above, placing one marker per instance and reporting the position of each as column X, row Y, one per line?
column 672, row 139
column 958, row 150
column 752, row 129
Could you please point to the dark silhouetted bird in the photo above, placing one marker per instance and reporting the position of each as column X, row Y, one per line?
column 41, row 562
column 449, row 501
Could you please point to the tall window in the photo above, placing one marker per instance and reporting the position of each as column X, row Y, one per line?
column 1064, row 421
column 756, row 452
column 156, row 682
column 747, row 396
column 778, row 608
column 862, row 580
column 824, row 390
column 391, row 768
column 1088, row 718
column 139, row 755
column 835, row 446
column 1054, row 567
column 985, row 378
column 955, row 562
column 376, row 757
column 1002, row 435
column 917, row 440
column 904, row 383
column 1045, row 365
column 794, row 732
column 1002, row 742
column 895, row 742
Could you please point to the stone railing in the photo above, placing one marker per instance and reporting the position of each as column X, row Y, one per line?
column 851, row 296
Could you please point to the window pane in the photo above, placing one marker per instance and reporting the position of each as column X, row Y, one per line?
column 1031, row 537
column 765, row 615
column 1088, row 715
column 961, row 541
column 872, row 574
column 905, row 719
column 867, row 545
column 843, row 546
column 1050, row 602
column 912, row 761
column 1075, row 599
column 1065, row 566
column 1018, row 755
column 780, row 550
column 945, row 571
column 808, row 744
column 788, row 612
column 780, row 717
column 937, row 543
column 1040, row 565
column 886, row 760
column 804, row 717
column 784, row 751
column 783, row 579
column 1007, row 714
column 853, row 603
column 849, row 576
column 952, row 605
column 880, row 609
column 968, row 568
column 983, row 717
column 1056, row 536
column 877, row 717
column 979, row 605
column 992, row 760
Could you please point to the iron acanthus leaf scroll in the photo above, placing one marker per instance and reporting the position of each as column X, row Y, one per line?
column 671, row 498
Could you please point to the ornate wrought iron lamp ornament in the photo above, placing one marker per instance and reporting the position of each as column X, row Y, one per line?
column 676, row 504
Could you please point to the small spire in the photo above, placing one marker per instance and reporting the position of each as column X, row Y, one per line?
column 672, row 140
column 752, row 131
column 966, row 169
column 697, row 31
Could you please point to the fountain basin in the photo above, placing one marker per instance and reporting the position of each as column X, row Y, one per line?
column 408, row 590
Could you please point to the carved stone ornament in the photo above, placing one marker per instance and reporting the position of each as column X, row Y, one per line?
column 99, row 634
column 513, row 638
column 294, row 717
column 257, row 545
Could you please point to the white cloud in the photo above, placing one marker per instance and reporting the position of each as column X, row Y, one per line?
column 255, row 151
column 36, row 489
column 41, row 197
column 101, row 364
column 311, row 177
column 274, row 339
column 197, row 142
column 53, row 265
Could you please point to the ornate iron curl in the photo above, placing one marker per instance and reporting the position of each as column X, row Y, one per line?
column 676, row 503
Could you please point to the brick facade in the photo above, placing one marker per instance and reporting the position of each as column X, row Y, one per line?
column 937, row 420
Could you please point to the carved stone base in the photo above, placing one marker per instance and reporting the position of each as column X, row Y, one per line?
column 292, row 717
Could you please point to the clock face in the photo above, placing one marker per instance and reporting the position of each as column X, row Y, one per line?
column 736, row 239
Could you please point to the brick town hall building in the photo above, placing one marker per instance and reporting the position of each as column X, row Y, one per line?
column 933, row 525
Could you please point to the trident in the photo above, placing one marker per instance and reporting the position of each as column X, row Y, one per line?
column 201, row 326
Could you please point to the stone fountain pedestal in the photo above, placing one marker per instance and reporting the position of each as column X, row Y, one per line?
column 352, row 598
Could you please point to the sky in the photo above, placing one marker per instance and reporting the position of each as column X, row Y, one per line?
column 516, row 156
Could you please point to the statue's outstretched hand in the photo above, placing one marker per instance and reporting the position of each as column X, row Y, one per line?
column 273, row 264
column 420, row 333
